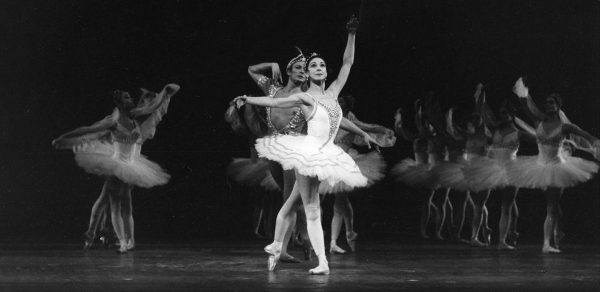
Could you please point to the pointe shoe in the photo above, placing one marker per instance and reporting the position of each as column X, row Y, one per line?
column 549, row 249
column 505, row 246
column 287, row 258
column 351, row 239
column 513, row 237
column 130, row 245
column 487, row 235
column 275, row 254
column 321, row 269
column 477, row 243
column 558, row 236
column 334, row 249
column 122, row 249
column 88, row 241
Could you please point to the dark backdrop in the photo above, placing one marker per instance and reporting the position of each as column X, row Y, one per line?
column 60, row 61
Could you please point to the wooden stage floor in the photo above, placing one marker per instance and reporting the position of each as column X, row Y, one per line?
column 240, row 266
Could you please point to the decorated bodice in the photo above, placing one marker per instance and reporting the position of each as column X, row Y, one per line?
column 325, row 119
column 549, row 143
column 553, row 138
column 127, row 142
column 344, row 138
column 504, row 147
column 298, row 120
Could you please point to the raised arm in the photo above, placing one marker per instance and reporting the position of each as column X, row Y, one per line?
column 92, row 132
column 257, row 72
column 348, row 60
column 530, row 107
column 151, row 103
column 456, row 132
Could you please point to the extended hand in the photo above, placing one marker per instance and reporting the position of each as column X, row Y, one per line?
column 520, row 89
column 240, row 101
column 352, row 25
column 276, row 73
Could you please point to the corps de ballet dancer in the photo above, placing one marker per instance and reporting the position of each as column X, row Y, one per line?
column 551, row 170
column 112, row 148
column 314, row 157
column 415, row 172
column 371, row 164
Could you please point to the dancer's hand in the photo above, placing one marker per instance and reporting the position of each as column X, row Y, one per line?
column 240, row 101
column 276, row 73
column 520, row 89
column 398, row 116
column 352, row 25
column 368, row 140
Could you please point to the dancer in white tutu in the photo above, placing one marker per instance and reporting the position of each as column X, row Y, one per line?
column 506, row 139
column 111, row 148
column 314, row 157
column 551, row 170
column 480, row 172
column 370, row 164
column 415, row 172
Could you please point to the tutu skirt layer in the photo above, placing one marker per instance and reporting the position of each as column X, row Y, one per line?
column 100, row 159
column 448, row 174
column 483, row 173
column 410, row 173
column 560, row 172
column 246, row 172
column 309, row 157
column 370, row 164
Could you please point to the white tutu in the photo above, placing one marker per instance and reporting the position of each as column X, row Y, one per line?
column 246, row 172
column 310, row 157
column 449, row 174
column 483, row 173
column 551, row 169
column 370, row 164
column 101, row 158
column 410, row 173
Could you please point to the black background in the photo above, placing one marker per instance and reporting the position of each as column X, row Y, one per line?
column 61, row 59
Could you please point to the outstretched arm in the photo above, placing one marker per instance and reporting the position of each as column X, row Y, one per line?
column 574, row 129
column 286, row 102
column 353, row 128
column 374, row 128
column 92, row 132
column 348, row 60
column 456, row 132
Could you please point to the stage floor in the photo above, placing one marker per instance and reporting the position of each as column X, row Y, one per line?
column 230, row 266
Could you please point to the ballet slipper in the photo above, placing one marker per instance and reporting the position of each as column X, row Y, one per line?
column 321, row 269
column 274, row 256
column 334, row 249
column 351, row 239
column 287, row 258
column 122, row 249
column 505, row 246
column 549, row 249
column 88, row 241
column 476, row 243
column 558, row 236
column 130, row 245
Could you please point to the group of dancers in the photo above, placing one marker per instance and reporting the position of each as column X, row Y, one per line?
column 303, row 136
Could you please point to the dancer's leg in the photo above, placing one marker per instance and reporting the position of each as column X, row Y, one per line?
column 552, row 205
column 479, row 200
column 509, row 195
column 309, row 187
column 97, row 215
column 115, row 210
column 440, row 198
column 339, row 214
column 426, row 214
column 460, row 204
column 351, row 235
column 289, row 179
column 127, row 214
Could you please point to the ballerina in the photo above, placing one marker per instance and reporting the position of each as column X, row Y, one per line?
column 415, row 172
column 506, row 139
column 551, row 170
column 111, row 148
column 314, row 157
